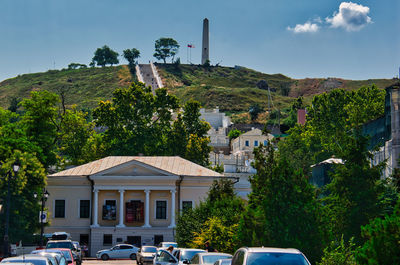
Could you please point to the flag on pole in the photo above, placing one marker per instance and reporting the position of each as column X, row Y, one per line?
column 190, row 46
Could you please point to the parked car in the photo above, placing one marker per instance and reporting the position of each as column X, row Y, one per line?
column 57, row 254
column 255, row 256
column 34, row 259
column 65, row 244
column 78, row 249
column 146, row 254
column 121, row 251
column 223, row 262
column 68, row 255
column 20, row 263
column 165, row 245
column 184, row 255
column 60, row 236
column 209, row 258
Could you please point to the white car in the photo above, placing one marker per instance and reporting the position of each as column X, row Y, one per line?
column 34, row 259
column 165, row 245
column 209, row 258
column 255, row 256
column 121, row 251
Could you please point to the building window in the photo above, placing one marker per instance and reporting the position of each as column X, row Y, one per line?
column 187, row 205
column 265, row 142
column 110, row 210
column 161, row 209
column 107, row 239
column 255, row 143
column 84, row 208
column 134, row 211
column 247, row 143
column 59, row 209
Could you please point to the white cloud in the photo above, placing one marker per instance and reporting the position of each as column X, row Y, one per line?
column 307, row 27
column 351, row 17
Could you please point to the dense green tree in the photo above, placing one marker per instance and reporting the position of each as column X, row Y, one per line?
column 15, row 145
column 382, row 244
column 254, row 110
column 354, row 191
column 339, row 253
column 137, row 121
column 41, row 124
column 233, row 134
column 131, row 55
column 282, row 210
column 105, row 55
column 214, row 219
column 164, row 48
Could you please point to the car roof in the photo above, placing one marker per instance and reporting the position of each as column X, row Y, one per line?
column 29, row 256
column 149, row 246
column 212, row 254
column 274, row 250
column 169, row 243
column 63, row 240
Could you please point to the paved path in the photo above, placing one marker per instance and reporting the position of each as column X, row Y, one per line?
column 109, row 262
column 148, row 77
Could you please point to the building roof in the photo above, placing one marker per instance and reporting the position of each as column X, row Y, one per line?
column 331, row 160
column 172, row 164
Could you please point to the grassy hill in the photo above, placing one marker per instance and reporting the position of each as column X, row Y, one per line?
column 231, row 89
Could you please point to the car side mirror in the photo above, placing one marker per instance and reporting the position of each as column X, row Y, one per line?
column 186, row 261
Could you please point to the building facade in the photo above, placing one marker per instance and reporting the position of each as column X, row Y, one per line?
column 125, row 199
column 244, row 144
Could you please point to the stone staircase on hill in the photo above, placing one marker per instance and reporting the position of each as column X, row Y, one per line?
column 147, row 73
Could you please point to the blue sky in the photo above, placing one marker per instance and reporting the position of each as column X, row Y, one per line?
column 298, row 38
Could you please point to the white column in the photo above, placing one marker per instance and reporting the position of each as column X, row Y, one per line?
column 95, row 208
column 147, row 209
column 121, row 208
column 172, row 225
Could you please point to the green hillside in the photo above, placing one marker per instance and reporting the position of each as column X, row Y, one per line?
column 83, row 87
column 231, row 89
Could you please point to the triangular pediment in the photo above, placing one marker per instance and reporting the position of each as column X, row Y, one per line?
column 133, row 168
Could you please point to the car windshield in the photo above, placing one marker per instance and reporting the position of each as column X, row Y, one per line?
column 225, row 262
column 276, row 258
column 149, row 249
column 211, row 259
column 33, row 261
column 188, row 254
column 59, row 245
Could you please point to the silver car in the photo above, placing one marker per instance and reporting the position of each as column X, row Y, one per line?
column 209, row 258
column 34, row 259
column 121, row 251
column 262, row 255
column 146, row 254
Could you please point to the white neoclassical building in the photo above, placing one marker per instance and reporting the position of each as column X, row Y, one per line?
column 131, row 199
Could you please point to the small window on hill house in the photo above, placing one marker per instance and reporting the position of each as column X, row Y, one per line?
column 247, row 143
column 255, row 143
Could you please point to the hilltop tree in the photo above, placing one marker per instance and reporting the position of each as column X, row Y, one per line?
column 131, row 55
column 166, row 47
column 105, row 55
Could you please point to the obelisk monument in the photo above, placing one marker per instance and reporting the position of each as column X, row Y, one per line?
column 205, row 49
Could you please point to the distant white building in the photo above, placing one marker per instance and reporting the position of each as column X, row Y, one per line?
column 244, row 144
column 218, row 132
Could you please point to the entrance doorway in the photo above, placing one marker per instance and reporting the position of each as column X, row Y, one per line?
column 135, row 240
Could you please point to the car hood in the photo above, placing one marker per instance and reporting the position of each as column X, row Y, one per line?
column 148, row 254
column 103, row 250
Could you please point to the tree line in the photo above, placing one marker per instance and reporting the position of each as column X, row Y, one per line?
column 355, row 219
